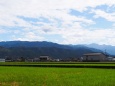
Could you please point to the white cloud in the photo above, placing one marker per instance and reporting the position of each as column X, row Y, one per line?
column 103, row 14
column 83, row 36
column 61, row 22
column 46, row 8
column 29, row 36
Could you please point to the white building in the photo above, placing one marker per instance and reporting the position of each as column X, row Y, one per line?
column 2, row 60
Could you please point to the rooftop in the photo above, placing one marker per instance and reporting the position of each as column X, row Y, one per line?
column 93, row 54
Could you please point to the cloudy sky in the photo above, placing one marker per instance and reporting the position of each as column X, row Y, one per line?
column 60, row 21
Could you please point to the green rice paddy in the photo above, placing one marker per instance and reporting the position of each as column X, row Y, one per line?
column 53, row 76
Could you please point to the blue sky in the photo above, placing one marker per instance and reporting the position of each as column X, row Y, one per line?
column 60, row 21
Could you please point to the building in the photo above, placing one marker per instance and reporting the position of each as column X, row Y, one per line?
column 56, row 60
column 36, row 60
column 44, row 58
column 110, row 58
column 8, row 59
column 29, row 60
column 2, row 60
column 113, row 59
column 94, row 57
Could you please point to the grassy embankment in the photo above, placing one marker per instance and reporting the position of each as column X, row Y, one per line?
column 62, row 64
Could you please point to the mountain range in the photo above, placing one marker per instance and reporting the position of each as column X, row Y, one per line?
column 105, row 48
column 27, row 49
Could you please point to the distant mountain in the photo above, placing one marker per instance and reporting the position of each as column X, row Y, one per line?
column 105, row 48
column 28, row 44
column 86, row 47
column 28, row 49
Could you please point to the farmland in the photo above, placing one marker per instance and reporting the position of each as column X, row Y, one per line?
column 53, row 76
column 62, row 64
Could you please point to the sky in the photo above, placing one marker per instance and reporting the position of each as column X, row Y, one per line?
column 59, row 21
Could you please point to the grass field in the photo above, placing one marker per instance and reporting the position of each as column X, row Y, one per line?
column 38, row 76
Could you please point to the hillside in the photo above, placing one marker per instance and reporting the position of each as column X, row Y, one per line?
column 105, row 48
column 16, row 49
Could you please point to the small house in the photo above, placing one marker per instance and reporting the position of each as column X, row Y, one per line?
column 8, row 59
column 28, row 60
column 113, row 59
column 44, row 58
column 36, row 60
column 2, row 60
column 94, row 57
column 110, row 58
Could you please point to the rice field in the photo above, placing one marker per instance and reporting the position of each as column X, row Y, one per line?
column 47, row 76
column 109, row 65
